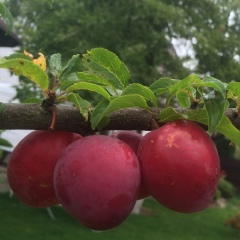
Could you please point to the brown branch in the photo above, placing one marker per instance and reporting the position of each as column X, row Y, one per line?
column 33, row 116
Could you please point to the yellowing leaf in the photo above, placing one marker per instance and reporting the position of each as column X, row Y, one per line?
column 28, row 54
column 41, row 61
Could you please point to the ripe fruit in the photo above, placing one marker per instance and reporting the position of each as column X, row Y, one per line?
column 180, row 166
column 32, row 163
column 97, row 180
column 132, row 139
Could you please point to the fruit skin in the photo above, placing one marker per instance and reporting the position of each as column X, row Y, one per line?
column 180, row 166
column 132, row 139
column 97, row 180
column 31, row 166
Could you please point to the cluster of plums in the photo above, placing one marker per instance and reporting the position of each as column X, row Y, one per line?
column 98, row 179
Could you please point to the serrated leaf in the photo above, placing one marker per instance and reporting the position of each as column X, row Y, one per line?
column 107, row 64
column 89, row 77
column 28, row 69
column 127, row 101
column 183, row 99
column 5, row 143
column 66, row 84
column 18, row 55
column 121, row 102
column 79, row 103
column 90, row 87
column 211, row 82
column 161, row 86
column 139, row 89
column 71, row 67
column 190, row 81
column 68, row 81
column 229, row 130
column 97, row 118
column 225, row 126
column 215, row 108
column 55, row 64
column 169, row 114
column 234, row 87
column 32, row 100
column 7, row 16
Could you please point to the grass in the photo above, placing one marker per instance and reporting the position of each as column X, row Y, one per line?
column 20, row 222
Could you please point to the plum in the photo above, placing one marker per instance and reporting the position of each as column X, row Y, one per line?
column 31, row 166
column 132, row 139
column 97, row 180
column 180, row 166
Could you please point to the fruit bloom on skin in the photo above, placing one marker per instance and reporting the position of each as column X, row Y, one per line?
column 132, row 139
column 97, row 180
column 31, row 166
column 180, row 166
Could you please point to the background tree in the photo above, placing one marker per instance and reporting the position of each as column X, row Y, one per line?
column 140, row 32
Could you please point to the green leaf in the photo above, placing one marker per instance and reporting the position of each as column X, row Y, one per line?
column 209, row 81
column 234, row 87
column 161, row 86
column 225, row 126
column 229, row 130
column 18, row 55
column 5, row 143
column 113, row 91
column 121, row 102
column 68, row 81
column 7, row 16
column 28, row 69
column 89, row 77
column 107, row 64
column 71, row 67
column 80, row 103
column 97, row 118
column 32, row 100
column 190, row 81
column 169, row 114
column 183, row 99
column 66, row 84
column 90, row 87
column 127, row 101
column 55, row 64
column 215, row 108
column 139, row 89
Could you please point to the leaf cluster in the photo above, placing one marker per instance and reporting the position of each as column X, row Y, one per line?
column 205, row 99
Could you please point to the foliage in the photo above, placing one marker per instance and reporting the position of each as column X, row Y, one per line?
column 106, row 75
column 7, row 16
column 137, row 31
column 225, row 188
column 140, row 32
column 3, row 143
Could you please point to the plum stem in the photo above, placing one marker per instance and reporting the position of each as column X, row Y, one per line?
column 54, row 113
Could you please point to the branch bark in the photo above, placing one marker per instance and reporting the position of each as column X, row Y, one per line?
column 34, row 117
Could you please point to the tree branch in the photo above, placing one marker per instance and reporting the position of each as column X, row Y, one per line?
column 34, row 117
